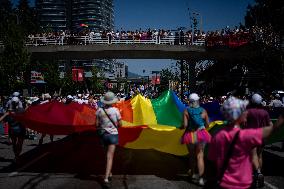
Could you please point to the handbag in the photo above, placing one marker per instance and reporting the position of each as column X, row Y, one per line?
column 100, row 132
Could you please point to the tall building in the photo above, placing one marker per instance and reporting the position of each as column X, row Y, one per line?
column 97, row 15
column 52, row 14
column 76, row 15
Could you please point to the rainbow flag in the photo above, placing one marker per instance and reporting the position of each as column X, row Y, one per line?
column 147, row 124
column 161, row 118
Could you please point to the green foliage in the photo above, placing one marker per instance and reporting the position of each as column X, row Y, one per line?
column 264, row 13
column 14, row 59
column 5, row 14
column 166, row 76
column 96, row 83
column 26, row 17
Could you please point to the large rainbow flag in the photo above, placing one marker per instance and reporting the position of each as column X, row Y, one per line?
column 147, row 124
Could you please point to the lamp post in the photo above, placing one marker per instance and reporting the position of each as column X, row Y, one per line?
column 194, row 23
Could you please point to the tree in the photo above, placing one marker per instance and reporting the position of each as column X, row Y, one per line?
column 96, row 82
column 5, row 13
column 27, row 17
column 168, row 75
column 264, row 13
column 14, row 59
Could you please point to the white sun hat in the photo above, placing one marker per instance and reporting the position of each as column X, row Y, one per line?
column 109, row 98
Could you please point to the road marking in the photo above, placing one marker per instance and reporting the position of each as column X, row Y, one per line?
column 15, row 173
column 270, row 185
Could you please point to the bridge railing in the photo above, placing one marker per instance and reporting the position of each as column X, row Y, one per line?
column 40, row 41
column 86, row 40
column 170, row 40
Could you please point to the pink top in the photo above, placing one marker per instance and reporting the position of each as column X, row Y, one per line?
column 238, row 174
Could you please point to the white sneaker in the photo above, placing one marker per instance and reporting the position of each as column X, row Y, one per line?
column 195, row 176
column 201, row 182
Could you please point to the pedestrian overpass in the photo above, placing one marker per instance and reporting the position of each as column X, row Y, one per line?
column 159, row 48
column 137, row 51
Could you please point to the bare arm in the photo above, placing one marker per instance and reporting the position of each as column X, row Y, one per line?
column 119, row 123
column 3, row 116
column 185, row 119
column 206, row 118
column 267, row 131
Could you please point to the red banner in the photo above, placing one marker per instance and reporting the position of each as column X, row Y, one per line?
column 77, row 74
column 156, row 80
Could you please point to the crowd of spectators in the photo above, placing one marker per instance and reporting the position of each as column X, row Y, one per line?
column 220, row 38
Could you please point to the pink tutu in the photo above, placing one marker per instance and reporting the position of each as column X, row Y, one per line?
column 194, row 137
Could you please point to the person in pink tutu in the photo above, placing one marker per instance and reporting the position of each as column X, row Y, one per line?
column 195, row 122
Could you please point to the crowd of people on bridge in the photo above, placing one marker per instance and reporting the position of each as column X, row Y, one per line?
column 234, row 152
column 221, row 38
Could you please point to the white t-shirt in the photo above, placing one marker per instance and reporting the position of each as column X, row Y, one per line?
column 104, row 121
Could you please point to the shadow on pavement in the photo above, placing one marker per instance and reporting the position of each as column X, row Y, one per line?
column 82, row 154
column 34, row 181
column 272, row 164
column 5, row 160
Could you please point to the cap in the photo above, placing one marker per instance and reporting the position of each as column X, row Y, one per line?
column 256, row 99
column 16, row 94
column 193, row 97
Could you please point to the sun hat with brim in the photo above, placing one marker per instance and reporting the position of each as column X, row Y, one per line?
column 233, row 108
column 109, row 98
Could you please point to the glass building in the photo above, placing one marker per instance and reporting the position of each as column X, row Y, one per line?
column 52, row 14
column 96, row 15
column 75, row 15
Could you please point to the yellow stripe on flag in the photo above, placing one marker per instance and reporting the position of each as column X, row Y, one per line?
column 163, row 141
column 143, row 112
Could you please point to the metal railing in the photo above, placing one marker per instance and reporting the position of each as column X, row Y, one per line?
column 87, row 40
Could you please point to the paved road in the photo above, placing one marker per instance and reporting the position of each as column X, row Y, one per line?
column 77, row 162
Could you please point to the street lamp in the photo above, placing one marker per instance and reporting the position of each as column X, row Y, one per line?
column 193, row 22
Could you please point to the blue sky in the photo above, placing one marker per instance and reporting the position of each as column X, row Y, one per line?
column 171, row 14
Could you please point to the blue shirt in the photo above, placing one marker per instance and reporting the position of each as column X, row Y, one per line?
column 195, row 120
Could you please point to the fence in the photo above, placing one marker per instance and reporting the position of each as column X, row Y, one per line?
column 86, row 40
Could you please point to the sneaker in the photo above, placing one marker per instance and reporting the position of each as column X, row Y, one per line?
column 106, row 181
column 201, row 182
column 259, row 180
column 195, row 177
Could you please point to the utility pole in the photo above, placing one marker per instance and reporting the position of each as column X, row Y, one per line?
column 181, row 78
